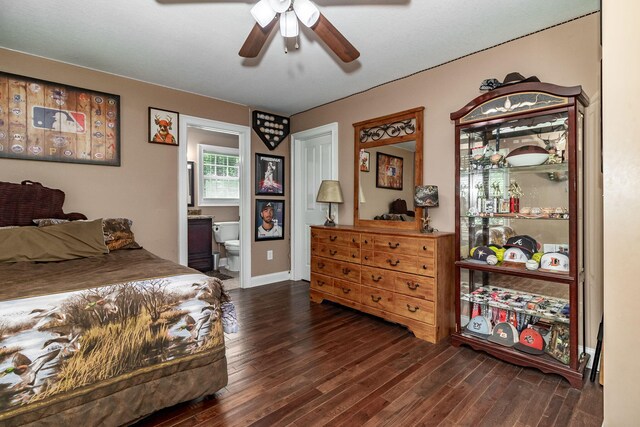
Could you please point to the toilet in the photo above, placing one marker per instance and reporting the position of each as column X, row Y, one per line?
column 228, row 233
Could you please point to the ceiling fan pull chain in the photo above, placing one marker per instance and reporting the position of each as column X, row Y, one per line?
column 297, row 42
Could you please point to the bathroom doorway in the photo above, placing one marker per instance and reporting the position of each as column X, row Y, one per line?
column 216, row 153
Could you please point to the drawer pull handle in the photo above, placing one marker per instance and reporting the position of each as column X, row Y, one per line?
column 376, row 298
column 321, row 265
column 332, row 252
column 394, row 246
column 346, row 290
column 412, row 309
column 353, row 240
column 320, row 283
column 424, row 248
column 424, row 266
column 413, row 286
column 392, row 263
column 366, row 257
column 353, row 255
column 333, row 238
column 366, row 242
column 376, row 279
column 346, row 271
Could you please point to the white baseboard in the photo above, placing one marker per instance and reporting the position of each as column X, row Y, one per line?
column 269, row 278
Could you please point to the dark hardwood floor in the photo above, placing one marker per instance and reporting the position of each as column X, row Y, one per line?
column 303, row 364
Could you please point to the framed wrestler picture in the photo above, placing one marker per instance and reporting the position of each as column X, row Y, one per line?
column 269, row 220
column 163, row 126
column 269, row 175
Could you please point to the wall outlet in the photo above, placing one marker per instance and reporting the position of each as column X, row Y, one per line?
column 269, row 255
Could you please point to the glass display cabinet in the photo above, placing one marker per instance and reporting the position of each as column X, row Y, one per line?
column 519, row 226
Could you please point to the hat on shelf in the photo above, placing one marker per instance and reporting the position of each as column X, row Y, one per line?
column 530, row 342
column 479, row 326
column 527, row 243
column 515, row 256
column 515, row 77
column 554, row 262
column 504, row 333
column 480, row 254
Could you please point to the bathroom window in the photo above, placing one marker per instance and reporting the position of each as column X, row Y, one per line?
column 219, row 175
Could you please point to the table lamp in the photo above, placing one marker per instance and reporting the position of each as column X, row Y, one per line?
column 330, row 192
column 426, row 196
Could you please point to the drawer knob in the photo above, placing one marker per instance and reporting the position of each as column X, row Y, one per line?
column 366, row 257
column 332, row 252
column 333, row 238
column 366, row 242
column 412, row 309
column 413, row 286
column 424, row 266
column 393, row 263
column 424, row 248
column 376, row 298
column 321, row 265
column 353, row 240
column 346, row 290
column 376, row 279
column 353, row 255
column 393, row 246
column 346, row 271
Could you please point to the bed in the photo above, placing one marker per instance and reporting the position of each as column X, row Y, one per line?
column 104, row 337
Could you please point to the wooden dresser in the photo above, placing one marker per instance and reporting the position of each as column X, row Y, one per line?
column 402, row 276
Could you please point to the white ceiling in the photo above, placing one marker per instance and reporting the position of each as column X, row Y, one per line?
column 192, row 45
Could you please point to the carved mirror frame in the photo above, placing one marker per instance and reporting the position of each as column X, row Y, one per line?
column 395, row 128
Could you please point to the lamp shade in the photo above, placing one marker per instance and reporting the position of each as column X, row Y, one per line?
column 289, row 24
column 263, row 13
column 330, row 192
column 426, row 196
column 307, row 12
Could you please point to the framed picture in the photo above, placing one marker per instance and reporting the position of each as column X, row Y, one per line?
column 558, row 347
column 364, row 161
column 388, row 171
column 163, row 126
column 42, row 120
column 269, row 175
column 269, row 220
column 190, row 179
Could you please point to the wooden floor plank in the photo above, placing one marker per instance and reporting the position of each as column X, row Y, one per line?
column 305, row 364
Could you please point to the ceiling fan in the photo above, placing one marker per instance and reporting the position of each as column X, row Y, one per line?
column 268, row 13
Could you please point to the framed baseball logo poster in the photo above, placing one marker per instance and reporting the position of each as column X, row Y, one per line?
column 269, row 175
column 42, row 120
column 269, row 220
column 163, row 126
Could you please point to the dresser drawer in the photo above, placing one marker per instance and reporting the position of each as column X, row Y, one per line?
column 426, row 267
column 346, row 271
column 347, row 290
column 344, row 253
column 321, row 265
column 337, row 237
column 378, row 278
column 321, row 283
column 414, row 308
column 396, row 245
column 396, row 262
column 367, row 241
column 367, row 257
column 414, row 285
column 376, row 298
column 427, row 248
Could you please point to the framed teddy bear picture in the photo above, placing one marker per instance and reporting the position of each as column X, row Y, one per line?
column 163, row 126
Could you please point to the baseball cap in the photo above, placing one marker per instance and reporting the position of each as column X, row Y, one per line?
column 516, row 255
column 481, row 253
column 524, row 242
column 530, row 342
column 554, row 262
column 267, row 206
column 479, row 326
column 504, row 333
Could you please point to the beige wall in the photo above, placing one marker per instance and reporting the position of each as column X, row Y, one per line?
column 621, row 86
column 144, row 187
column 565, row 55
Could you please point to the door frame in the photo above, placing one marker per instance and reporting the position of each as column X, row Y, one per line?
column 244, row 142
column 297, row 225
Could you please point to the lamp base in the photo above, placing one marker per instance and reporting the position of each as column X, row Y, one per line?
column 329, row 223
column 426, row 228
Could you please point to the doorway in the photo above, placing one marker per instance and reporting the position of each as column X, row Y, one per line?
column 315, row 158
column 224, row 131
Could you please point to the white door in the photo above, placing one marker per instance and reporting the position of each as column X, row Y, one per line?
column 315, row 158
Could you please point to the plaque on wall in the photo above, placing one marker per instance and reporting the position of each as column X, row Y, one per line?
column 271, row 129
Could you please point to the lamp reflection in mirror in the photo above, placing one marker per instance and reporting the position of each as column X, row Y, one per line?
column 426, row 196
column 330, row 192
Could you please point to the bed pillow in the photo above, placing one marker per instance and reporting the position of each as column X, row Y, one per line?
column 78, row 239
column 45, row 222
column 118, row 234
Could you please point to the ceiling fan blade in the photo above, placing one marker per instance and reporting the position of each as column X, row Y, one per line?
column 335, row 40
column 256, row 40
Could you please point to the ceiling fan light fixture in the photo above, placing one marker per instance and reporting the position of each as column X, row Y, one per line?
column 280, row 6
column 263, row 13
column 289, row 24
column 307, row 12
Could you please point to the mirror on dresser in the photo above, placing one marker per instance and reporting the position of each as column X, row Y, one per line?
column 387, row 167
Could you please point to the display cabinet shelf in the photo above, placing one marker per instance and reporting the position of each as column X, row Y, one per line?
column 520, row 194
